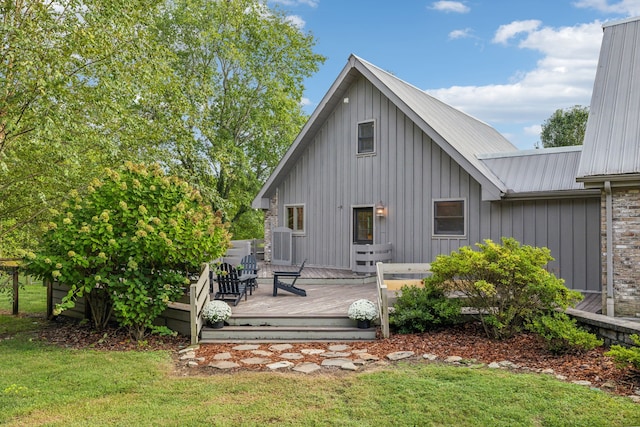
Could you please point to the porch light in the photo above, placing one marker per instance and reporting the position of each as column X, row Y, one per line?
column 380, row 209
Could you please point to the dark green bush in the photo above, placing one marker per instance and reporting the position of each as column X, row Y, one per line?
column 421, row 309
column 562, row 334
column 624, row 356
column 506, row 284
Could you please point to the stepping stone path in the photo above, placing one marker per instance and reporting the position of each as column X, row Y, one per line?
column 337, row 356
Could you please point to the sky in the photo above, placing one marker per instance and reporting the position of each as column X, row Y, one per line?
column 509, row 63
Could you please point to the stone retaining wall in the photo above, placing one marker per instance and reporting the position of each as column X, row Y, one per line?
column 612, row 330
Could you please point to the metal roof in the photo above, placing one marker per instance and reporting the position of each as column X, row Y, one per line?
column 537, row 171
column 458, row 134
column 612, row 138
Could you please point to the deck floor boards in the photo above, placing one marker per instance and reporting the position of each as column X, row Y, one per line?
column 328, row 299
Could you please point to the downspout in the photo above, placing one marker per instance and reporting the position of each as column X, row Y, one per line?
column 609, row 225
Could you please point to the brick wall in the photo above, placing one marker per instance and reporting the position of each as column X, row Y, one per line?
column 626, row 251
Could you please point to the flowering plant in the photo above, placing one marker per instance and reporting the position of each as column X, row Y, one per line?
column 363, row 309
column 216, row 311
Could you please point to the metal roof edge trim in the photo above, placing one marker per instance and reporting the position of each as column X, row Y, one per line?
column 532, row 152
column 620, row 22
column 559, row 194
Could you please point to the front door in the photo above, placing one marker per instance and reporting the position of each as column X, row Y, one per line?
column 363, row 226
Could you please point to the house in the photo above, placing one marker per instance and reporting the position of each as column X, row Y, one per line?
column 382, row 163
column 610, row 163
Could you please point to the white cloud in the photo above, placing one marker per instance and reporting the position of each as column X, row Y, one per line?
column 460, row 34
column 628, row 7
column 296, row 20
column 450, row 6
column 305, row 102
column 508, row 31
column 563, row 77
column 311, row 3
column 533, row 130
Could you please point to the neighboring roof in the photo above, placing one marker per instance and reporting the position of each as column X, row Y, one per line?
column 612, row 138
column 535, row 172
column 458, row 134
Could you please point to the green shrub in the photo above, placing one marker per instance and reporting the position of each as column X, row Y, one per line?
column 625, row 356
column 506, row 284
column 562, row 333
column 129, row 244
column 420, row 309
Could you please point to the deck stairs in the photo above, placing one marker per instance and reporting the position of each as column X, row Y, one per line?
column 288, row 328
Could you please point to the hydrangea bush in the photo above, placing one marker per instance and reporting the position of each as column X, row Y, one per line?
column 216, row 311
column 129, row 244
column 363, row 309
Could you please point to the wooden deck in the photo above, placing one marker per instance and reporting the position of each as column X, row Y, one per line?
column 321, row 299
column 591, row 303
column 329, row 291
column 266, row 272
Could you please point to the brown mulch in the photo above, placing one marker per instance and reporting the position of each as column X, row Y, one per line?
column 467, row 341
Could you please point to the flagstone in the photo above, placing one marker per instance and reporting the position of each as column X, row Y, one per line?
column 284, row 364
column 307, row 367
column 246, row 347
column 224, row 364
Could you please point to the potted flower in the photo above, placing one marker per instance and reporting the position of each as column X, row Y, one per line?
column 216, row 312
column 364, row 311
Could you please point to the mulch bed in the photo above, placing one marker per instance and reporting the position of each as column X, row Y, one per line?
column 467, row 341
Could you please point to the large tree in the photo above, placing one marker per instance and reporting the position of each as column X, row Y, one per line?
column 74, row 77
column 565, row 127
column 241, row 66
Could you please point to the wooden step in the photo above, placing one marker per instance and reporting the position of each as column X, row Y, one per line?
column 265, row 328
column 334, row 320
column 284, row 333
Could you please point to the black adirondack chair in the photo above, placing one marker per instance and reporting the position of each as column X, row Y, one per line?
column 250, row 267
column 230, row 287
column 289, row 287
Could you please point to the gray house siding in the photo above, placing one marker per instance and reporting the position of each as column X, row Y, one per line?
column 407, row 171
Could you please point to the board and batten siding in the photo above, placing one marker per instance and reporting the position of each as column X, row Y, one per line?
column 407, row 171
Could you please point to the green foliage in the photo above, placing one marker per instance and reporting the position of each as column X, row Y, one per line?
column 241, row 67
column 506, row 284
column 565, row 127
column 562, row 333
column 73, row 74
column 421, row 309
column 625, row 356
column 129, row 244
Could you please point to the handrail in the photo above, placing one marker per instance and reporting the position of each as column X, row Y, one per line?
column 383, row 300
column 383, row 297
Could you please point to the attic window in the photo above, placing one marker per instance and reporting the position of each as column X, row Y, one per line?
column 449, row 218
column 366, row 133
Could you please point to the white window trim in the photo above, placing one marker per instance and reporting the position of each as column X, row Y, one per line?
column 304, row 220
column 375, row 137
column 465, row 212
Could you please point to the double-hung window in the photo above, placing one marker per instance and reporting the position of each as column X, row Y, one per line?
column 449, row 217
column 366, row 137
column 295, row 218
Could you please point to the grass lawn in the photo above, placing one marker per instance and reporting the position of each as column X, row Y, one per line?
column 46, row 385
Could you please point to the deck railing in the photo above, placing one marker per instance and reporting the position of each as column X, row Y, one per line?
column 365, row 257
column 198, row 297
column 383, row 296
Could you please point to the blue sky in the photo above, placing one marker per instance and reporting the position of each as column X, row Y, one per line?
column 510, row 63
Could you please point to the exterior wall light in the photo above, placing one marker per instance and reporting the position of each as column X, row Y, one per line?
column 380, row 209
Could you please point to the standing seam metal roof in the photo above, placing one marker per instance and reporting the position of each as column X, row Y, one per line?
column 543, row 170
column 612, row 137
